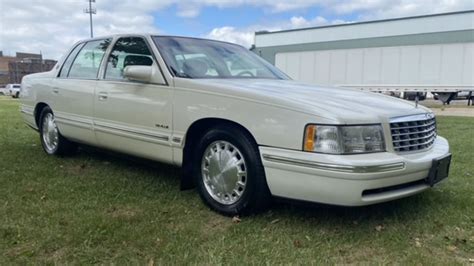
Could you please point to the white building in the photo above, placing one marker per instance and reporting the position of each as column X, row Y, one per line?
column 422, row 53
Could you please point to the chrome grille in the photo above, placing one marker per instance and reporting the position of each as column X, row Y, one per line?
column 413, row 133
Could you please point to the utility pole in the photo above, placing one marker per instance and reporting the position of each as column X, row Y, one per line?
column 91, row 11
column 41, row 61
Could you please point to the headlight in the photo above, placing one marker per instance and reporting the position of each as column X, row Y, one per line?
column 344, row 139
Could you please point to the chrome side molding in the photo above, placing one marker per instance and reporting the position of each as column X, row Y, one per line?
column 335, row 167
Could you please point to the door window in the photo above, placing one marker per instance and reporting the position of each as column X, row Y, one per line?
column 87, row 63
column 127, row 51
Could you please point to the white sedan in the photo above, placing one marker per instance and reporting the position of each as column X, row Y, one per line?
column 240, row 128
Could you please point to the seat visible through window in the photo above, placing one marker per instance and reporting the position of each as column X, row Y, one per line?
column 127, row 51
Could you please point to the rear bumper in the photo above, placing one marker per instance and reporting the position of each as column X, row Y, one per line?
column 348, row 180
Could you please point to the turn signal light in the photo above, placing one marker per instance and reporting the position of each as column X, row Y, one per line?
column 309, row 138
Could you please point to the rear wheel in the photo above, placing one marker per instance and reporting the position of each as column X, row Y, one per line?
column 229, row 172
column 51, row 139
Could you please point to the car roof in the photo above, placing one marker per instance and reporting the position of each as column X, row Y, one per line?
column 150, row 35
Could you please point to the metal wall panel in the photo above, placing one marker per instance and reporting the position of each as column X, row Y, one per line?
column 321, row 74
column 451, row 68
column 355, row 60
column 430, row 64
column 390, row 66
column 468, row 73
column 443, row 64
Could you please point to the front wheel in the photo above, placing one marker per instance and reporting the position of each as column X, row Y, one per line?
column 229, row 172
column 51, row 139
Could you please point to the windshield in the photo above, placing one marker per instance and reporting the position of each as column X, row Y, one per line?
column 198, row 58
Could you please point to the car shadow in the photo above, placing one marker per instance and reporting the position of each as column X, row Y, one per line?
column 401, row 208
column 169, row 173
column 414, row 207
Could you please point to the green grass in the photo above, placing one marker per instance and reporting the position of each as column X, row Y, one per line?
column 98, row 208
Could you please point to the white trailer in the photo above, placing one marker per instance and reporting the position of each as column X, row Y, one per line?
column 438, row 68
column 433, row 53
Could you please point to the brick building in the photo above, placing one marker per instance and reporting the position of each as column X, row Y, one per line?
column 13, row 68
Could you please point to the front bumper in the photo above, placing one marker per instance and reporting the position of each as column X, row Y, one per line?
column 349, row 180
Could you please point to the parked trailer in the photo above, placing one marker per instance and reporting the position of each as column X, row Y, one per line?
column 431, row 53
column 442, row 69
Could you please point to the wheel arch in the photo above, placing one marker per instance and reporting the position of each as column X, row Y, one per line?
column 197, row 129
column 37, row 113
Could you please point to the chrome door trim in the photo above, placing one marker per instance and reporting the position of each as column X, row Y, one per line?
column 129, row 132
column 76, row 121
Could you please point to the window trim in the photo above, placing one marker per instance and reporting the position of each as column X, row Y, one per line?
column 84, row 43
column 155, row 61
column 58, row 75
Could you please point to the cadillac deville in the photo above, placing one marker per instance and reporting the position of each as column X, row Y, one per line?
column 242, row 131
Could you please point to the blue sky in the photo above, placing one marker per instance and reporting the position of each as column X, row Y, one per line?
column 52, row 26
column 238, row 17
column 208, row 19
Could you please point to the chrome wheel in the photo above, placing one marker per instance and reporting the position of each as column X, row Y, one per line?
column 50, row 133
column 224, row 172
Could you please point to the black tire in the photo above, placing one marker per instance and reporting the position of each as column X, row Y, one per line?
column 256, row 196
column 63, row 147
column 17, row 95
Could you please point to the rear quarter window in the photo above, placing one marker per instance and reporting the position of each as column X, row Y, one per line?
column 87, row 62
column 68, row 62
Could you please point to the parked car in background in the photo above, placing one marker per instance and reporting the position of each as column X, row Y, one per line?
column 14, row 90
column 241, row 130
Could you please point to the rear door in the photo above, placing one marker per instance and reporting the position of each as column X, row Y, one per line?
column 133, row 117
column 73, row 91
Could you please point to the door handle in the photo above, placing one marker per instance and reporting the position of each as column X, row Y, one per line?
column 55, row 90
column 103, row 96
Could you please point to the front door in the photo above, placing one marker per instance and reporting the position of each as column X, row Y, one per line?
column 133, row 117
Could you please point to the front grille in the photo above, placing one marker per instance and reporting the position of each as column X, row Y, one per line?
column 413, row 133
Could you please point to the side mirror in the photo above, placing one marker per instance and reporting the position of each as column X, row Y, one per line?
column 138, row 73
column 145, row 74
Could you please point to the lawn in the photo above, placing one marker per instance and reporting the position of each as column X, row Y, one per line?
column 101, row 208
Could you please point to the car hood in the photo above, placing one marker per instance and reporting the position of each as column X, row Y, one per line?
column 335, row 103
